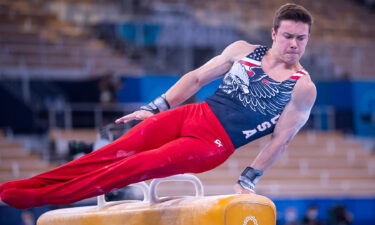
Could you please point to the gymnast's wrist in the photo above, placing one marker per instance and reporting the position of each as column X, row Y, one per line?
column 249, row 177
column 159, row 104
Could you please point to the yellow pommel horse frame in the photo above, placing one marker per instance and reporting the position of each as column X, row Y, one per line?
column 193, row 210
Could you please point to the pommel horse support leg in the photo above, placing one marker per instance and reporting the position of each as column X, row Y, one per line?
column 187, row 210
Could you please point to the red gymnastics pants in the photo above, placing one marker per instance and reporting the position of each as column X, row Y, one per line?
column 187, row 139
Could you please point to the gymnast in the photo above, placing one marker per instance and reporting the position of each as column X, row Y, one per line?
column 264, row 91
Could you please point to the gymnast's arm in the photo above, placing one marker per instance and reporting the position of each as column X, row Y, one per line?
column 294, row 116
column 191, row 82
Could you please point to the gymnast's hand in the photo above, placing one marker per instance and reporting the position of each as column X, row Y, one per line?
column 137, row 115
column 240, row 190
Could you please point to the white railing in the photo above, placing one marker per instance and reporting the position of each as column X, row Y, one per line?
column 98, row 110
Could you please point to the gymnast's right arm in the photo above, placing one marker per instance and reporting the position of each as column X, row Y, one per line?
column 189, row 84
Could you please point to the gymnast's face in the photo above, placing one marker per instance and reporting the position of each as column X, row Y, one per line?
column 290, row 40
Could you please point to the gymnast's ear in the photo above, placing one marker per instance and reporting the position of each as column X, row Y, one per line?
column 273, row 34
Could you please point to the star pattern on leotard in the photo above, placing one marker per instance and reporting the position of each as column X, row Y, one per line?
column 258, row 53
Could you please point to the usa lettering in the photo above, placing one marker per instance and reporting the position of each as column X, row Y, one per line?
column 261, row 127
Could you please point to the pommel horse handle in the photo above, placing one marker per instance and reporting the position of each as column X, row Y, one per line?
column 141, row 185
column 154, row 198
column 150, row 194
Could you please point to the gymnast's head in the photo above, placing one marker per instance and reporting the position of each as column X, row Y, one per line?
column 291, row 31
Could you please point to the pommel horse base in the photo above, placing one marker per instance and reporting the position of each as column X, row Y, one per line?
column 188, row 210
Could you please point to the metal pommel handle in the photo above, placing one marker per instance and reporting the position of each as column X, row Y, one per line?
column 154, row 198
column 141, row 185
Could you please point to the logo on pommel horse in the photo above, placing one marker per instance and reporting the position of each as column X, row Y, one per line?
column 250, row 218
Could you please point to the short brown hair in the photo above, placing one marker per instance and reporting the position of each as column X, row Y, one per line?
column 293, row 12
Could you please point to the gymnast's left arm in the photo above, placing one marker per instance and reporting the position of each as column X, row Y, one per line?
column 294, row 116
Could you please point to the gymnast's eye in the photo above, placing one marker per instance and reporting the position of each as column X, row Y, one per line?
column 288, row 36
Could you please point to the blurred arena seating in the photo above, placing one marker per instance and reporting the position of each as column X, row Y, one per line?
column 347, row 21
column 46, row 43
column 17, row 162
column 35, row 43
column 87, row 135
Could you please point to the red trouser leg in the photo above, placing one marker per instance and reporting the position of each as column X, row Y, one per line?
column 184, row 155
column 148, row 134
column 161, row 146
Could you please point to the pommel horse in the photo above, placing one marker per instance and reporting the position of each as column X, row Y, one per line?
column 235, row 209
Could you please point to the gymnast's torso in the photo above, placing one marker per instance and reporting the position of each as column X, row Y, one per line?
column 248, row 102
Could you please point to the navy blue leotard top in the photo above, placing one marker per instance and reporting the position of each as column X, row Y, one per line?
column 248, row 102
